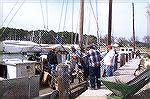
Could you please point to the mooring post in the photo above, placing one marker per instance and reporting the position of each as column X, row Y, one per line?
column 122, row 59
column 63, row 81
column 127, row 57
column 130, row 56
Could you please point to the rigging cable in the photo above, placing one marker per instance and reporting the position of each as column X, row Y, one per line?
column 45, row 24
column 61, row 16
column 94, row 16
column 47, row 13
column 10, row 12
column 72, row 21
column 13, row 17
column 60, row 22
column 64, row 22
column 97, row 21
column 87, row 38
column 65, row 15
column 77, row 28
column 42, row 14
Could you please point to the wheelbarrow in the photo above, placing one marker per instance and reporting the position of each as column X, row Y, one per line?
column 123, row 90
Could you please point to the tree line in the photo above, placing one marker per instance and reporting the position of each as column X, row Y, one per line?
column 65, row 37
column 42, row 36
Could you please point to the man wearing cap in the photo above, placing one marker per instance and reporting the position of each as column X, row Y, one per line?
column 94, row 58
column 108, row 60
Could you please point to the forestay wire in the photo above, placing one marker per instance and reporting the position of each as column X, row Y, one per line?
column 42, row 14
column 96, row 19
column 10, row 11
column 13, row 15
column 46, row 27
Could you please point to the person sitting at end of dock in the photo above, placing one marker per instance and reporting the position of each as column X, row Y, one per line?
column 52, row 61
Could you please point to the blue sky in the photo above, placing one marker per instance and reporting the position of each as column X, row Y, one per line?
column 30, row 17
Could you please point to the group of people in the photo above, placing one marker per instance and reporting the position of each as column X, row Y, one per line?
column 91, row 61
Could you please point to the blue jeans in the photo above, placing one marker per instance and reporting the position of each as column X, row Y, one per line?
column 109, row 71
column 51, row 68
column 94, row 74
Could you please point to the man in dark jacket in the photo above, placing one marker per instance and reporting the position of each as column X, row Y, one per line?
column 52, row 61
column 84, row 63
column 94, row 57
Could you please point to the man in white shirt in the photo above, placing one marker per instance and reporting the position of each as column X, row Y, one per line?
column 108, row 60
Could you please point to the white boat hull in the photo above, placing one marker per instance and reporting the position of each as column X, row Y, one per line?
column 11, row 46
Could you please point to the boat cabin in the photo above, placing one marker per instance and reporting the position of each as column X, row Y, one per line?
column 14, row 68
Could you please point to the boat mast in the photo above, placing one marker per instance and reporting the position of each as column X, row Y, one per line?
column 109, row 22
column 81, row 23
column 133, row 28
column 148, row 22
column 1, row 14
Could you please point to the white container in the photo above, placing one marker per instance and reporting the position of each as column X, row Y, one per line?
column 20, row 68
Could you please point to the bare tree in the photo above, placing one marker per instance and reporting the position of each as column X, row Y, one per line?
column 122, row 41
column 146, row 39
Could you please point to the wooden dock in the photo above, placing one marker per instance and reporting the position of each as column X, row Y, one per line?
column 124, row 74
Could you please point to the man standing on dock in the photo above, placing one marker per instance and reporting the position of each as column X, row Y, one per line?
column 108, row 60
column 52, row 61
column 94, row 58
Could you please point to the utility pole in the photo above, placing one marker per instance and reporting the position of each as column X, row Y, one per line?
column 109, row 22
column 133, row 28
column 81, row 23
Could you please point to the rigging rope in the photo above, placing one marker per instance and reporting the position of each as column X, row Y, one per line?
column 47, row 13
column 42, row 14
column 72, row 21
column 87, row 38
column 97, row 21
column 94, row 16
column 10, row 12
column 13, row 17
column 61, row 16
column 65, row 15
column 76, row 29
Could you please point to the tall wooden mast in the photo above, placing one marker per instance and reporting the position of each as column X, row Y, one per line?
column 1, row 14
column 133, row 28
column 81, row 23
column 109, row 22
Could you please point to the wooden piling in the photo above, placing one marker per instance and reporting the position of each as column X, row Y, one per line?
column 122, row 59
column 63, row 81
column 126, row 57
